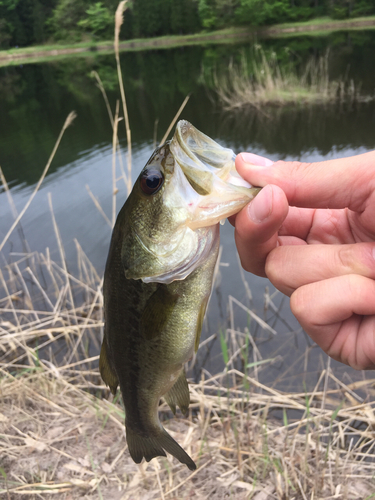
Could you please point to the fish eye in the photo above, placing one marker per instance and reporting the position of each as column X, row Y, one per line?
column 151, row 181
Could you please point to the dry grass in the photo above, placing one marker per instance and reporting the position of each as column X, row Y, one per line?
column 260, row 81
column 60, row 435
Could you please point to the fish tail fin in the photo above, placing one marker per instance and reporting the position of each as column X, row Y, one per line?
column 156, row 446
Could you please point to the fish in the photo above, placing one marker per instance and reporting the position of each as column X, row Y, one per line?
column 158, row 279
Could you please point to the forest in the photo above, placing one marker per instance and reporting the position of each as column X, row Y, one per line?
column 34, row 22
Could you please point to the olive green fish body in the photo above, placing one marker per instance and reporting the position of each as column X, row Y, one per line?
column 158, row 280
column 146, row 350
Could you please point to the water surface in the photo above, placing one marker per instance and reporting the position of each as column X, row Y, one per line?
column 35, row 100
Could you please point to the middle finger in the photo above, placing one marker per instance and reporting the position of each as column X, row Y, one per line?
column 318, row 225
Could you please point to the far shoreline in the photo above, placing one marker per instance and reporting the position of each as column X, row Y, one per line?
column 313, row 27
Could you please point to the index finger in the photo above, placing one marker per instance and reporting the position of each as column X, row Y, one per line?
column 347, row 182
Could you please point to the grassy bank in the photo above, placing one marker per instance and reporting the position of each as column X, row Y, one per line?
column 315, row 26
column 61, row 433
column 22, row 56
column 259, row 82
column 319, row 26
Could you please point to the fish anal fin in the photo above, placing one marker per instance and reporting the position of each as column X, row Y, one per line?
column 157, row 312
column 106, row 371
column 179, row 395
column 155, row 446
column 202, row 312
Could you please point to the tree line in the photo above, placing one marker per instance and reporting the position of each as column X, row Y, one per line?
column 32, row 22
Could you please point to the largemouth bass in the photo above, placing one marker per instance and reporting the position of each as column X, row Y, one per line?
column 158, row 280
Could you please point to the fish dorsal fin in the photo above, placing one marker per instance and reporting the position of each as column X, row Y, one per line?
column 179, row 395
column 106, row 371
column 202, row 312
column 157, row 312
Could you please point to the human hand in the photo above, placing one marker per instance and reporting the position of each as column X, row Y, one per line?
column 311, row 231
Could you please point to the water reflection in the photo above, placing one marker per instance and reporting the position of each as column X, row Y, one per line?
column 296, row 132
column 35, row 99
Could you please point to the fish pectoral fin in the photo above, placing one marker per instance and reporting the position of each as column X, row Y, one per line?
column 106, row 371
column 202, row 312
column 179, row 395
column 155, row 446
column 157, row 312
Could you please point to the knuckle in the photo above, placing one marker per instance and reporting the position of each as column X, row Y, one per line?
column 275, row 265
column 296, row 172
column 296, row 168
column 300, row 307
column 244, row 229
column 355, row 287
column 345, row 258
column 299, row 168
column 272, row 266
column 253, row 265
column 246, row 265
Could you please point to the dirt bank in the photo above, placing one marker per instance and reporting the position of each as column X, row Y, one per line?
column 31, row 54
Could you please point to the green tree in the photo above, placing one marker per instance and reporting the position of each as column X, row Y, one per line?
column 27, row 22
column 340, row 9
column 23, row 22
column 207, row 14
column 5, row 35
column 151, row 17
column 217, row 13
column 99, row 20
column 362, row 8
column 251, row 12
column 184, row 16
column 63, row 23
column 258, row 12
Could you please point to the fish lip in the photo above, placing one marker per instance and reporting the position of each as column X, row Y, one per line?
column 221, row 164
column 209, row 168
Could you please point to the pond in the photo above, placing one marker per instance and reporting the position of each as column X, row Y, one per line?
column 35, row 100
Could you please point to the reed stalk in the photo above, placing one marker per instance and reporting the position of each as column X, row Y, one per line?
column 119, row 17
column 67, row 123
column 259, row 81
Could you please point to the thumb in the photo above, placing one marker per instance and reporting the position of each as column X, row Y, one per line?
column 346, row 182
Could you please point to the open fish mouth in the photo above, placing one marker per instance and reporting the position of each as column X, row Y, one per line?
column 210, row 170
column 202, row 159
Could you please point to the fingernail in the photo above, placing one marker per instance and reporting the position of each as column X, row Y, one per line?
column 261, row 207
column 257, row 160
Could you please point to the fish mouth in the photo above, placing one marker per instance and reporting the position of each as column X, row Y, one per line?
column 210, row 170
